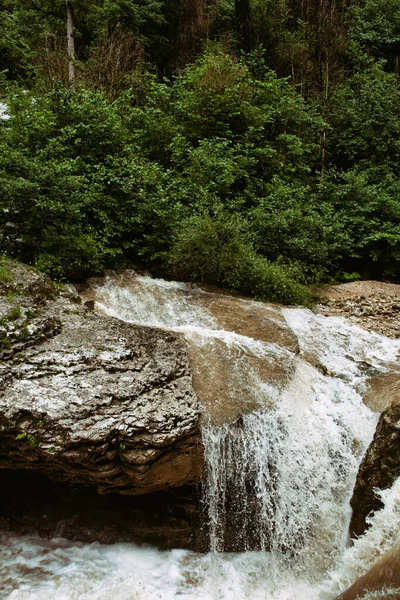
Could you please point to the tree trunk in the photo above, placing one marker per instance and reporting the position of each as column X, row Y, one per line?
column 70, row 43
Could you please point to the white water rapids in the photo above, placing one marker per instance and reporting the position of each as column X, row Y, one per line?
column 286, row 467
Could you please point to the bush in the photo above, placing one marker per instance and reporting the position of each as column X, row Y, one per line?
column 219, row 250
column 73, row 188
column 295, row 225
column 366, row 202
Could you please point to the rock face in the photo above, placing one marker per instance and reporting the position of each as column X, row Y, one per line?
column 383, row 391
column 91, row 400
column 216, row 369
column 237, row 347
column 379, row 468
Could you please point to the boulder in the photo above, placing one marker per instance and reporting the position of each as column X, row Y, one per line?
column 90, row 400
column 383, row 577
column 379, row 469
column 383, row 391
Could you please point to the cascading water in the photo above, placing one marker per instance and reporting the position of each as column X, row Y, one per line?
column 295, row 463
column 284, row 429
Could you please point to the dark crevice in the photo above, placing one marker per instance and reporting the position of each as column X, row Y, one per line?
column 31, row 503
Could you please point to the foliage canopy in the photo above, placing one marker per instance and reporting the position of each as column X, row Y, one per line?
column 259, row 154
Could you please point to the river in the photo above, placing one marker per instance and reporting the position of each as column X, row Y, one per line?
column 284, row 429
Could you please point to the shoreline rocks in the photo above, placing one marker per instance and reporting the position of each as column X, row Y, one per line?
column 373, row 305
column 379, row 469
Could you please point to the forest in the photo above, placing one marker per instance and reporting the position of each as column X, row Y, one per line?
column 253, row 144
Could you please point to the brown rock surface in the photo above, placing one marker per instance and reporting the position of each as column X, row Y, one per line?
column 383, row 575
column 219, row 370
column 252, row 319
column 383, row 391
column 379, row 469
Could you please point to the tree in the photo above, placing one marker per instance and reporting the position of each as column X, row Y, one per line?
column 70, row 43
column 37, row 28
column 365, row 120
column 374, row 31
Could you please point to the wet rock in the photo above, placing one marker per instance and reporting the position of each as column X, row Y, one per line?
column 90, row 400
column 383, row 575
column 219, row 371
column 383, row 391
column 379, row 469
column 234, row 343
column 252, row 319
column 89, row 304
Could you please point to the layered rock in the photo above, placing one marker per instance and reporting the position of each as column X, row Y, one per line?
column 91, row 400
column 379, row 469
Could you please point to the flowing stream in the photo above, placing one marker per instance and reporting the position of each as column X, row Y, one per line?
column 284, row 430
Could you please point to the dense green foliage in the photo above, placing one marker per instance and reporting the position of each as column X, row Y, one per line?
column 216, row 249
column 249, row 143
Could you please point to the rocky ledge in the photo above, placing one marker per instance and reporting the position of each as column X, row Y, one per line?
column 379, row 469
column 88, row 399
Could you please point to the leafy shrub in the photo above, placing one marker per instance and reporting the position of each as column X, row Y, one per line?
column 351, row 276
column 294, row 224
column 74, row 188
column 366, row 202
column 218, row 249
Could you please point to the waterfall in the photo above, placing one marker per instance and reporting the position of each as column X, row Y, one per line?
column 284, row 429
column 287, row 471
column 382, row 537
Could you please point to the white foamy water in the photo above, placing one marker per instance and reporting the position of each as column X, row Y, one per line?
column 299, row 461
column 33, row 568
column 154, row 302
column 342, row 347
column 4, row 114
column 280, row 475
column 382, row 536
